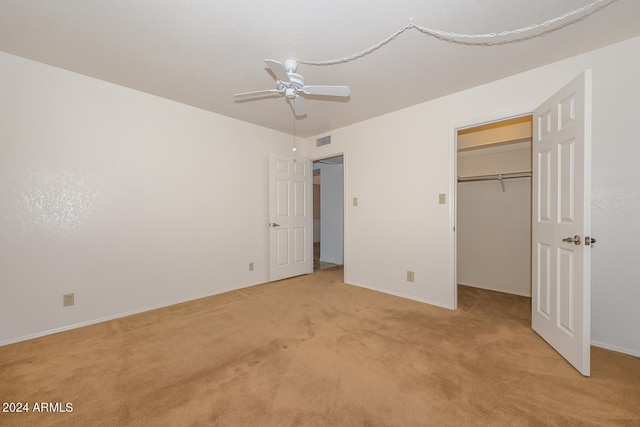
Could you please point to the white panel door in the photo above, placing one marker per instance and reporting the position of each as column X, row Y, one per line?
column 561, row 222
column 290, row 217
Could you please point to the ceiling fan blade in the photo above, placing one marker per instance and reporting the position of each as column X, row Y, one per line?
column 297, row 105
column 327, row 90
column 278, row 70
column 257, row 93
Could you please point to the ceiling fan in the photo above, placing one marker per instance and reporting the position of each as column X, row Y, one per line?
column 291, row 85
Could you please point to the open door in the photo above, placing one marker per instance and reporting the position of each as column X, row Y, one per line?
column 290, row 217
column 561, row 222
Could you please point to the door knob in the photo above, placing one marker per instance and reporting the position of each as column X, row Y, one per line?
column 589, row 241
column 576, row 240
column 273, row 224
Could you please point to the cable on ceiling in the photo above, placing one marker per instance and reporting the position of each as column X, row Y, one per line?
column 457, row 37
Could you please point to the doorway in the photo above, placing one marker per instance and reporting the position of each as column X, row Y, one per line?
column 560, row 272
column 493, row 199
column 328, row 212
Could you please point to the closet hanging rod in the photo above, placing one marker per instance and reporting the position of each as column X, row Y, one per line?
column 496, row 176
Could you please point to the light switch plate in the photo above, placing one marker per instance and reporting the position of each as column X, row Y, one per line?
column 355, row 201
column 442, row 198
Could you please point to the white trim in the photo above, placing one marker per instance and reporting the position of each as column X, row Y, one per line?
column 116, row 316
column 616, row 348
column 454, row 127
column 345, row 217
column 452, row 298
column 398, row 294
column 328, row 156
column 345, row 252
column 486, row 288
column 156, row 307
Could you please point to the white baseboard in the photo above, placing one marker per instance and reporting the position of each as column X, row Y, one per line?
column 593, row 343
column 504, row 291
column 332, row 261
column 635, row 353
column 399, row 294
column 114, row 316
column 155, row 307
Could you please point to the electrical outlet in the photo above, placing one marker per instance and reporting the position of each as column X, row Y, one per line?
column 410, row 276
column 250, row 266
column 68, row 299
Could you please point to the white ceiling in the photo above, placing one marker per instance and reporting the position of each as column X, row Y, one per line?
column 201, row 52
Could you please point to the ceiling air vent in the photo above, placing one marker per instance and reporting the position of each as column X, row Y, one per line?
column 325, row 140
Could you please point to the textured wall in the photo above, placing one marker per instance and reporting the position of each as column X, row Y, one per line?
column 127, row 200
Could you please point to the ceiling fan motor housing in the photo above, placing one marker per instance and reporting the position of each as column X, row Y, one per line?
column 297, row 83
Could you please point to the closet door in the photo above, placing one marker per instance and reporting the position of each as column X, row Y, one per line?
column 561, row 223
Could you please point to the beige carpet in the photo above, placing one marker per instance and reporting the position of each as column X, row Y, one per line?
column 314, row 351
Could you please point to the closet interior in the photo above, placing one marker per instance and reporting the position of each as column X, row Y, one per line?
column 494, row 206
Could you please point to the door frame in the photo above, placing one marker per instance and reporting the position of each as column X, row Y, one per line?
column 454, row 127
column 344, row 202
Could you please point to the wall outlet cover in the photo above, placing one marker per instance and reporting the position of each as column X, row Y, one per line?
column 410, row 276
column 68, row 299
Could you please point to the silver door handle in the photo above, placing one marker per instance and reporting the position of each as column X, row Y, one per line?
column 273, row 224
column 576, row 240
column 589, row 241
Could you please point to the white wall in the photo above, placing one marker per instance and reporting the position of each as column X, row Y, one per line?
column 397, row 164
column 332, row 213
column 119, row 196
column 494, row 226
column 128, row 200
